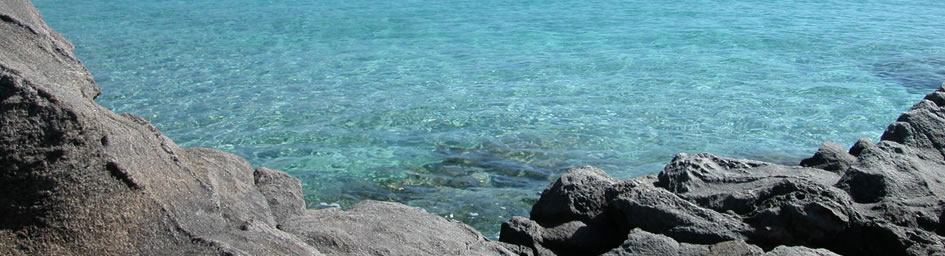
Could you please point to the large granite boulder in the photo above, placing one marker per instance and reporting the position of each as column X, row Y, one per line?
column 874, row 199
column 77, row 179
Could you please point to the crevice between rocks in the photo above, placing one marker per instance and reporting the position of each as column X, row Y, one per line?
column 7, row 18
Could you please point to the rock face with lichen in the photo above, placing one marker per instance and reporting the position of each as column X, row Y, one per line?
column 886, row 198
column 77, row 179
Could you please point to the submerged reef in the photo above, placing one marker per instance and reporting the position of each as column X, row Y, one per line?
column 917, row 75
column 78, row 179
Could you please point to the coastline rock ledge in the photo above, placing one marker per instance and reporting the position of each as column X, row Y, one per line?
column 886, row 198
column 78, row 179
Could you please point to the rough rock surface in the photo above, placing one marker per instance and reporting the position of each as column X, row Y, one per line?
column 831, row 157
column 875, row 199
column 77, row 179
column 385, row 228
column 282, row 192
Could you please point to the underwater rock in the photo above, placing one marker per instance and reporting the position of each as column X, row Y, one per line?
column 917, row 75
column 478, row 167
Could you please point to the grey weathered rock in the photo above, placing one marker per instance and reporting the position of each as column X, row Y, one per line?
column 788, row 204
column 576, row 195
column 384, row 228
column 659, row 211
column 898, row 183
column 734, row 247
column 522, row 231
column 641, row 243
column 282, row 192
column 77, row 179
column 798, row 251
column 885, row 198
column 831, row 157
column 573, row 211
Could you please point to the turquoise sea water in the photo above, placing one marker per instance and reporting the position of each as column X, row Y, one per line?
column 469, row 108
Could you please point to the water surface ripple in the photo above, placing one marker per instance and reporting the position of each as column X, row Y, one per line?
column 468, row 108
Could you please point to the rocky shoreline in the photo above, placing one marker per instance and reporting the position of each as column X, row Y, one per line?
column 78, row 179
column 873, row 199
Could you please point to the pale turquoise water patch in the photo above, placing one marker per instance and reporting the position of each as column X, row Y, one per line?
column 468, row 108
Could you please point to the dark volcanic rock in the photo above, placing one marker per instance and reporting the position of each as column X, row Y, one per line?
column 577, row 195
column 798, row 251
column 522, row 231
column 791, row 205
column 884, row 198
column 572, row 212
column 900, row 182
column 77, row 179
column 831, row 157
column 642, row 243
column 659, row 211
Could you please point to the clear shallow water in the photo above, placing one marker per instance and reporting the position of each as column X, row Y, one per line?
column 469, row 108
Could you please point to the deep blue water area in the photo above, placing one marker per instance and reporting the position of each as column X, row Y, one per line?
column 468, row 109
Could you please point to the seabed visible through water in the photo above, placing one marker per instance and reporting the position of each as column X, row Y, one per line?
column 468, row 109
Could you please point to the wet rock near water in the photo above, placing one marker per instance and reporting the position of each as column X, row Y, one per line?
column 885, row 198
